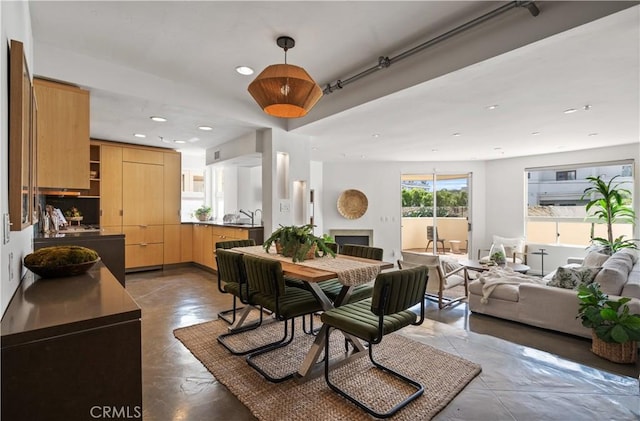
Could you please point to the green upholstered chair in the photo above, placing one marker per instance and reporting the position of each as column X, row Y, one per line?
column 229, row 282
column 265, row 277
column 387, row 311
column 231, row 273
column 333, row 287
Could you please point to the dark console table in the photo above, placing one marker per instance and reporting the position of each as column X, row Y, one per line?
column 71, row 347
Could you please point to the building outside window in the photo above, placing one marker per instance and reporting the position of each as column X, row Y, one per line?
column 556, row 208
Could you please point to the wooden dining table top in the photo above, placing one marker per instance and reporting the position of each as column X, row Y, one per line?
column 307, row 273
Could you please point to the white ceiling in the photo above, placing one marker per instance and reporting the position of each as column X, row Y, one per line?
column 177, row 60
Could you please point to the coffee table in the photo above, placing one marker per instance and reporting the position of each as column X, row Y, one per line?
column 477, row 266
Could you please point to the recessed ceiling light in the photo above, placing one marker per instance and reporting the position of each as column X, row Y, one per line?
column 434, row 150
column 376, row 135
column 244, row 70
column 314, row 148
column 457, row 134
column 362, row 156
column 162, row 139
column 158, row 119
column 492, row 107
column 140, row 135
column 587, row 107
column 570, row 111
column 593, row 134
column 497, row 149
column 205, row 128
column 535, row 133
column 180, row 141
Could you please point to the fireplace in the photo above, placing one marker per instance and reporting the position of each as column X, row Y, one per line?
column 360, row 237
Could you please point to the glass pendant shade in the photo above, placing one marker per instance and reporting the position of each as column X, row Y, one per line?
column 285, row 90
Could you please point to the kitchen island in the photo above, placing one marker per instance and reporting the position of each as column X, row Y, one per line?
column 70, row 347
column 110, row 247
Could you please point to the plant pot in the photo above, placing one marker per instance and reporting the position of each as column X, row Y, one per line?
column 310, row 254
column 626, row 353
column 203, row 217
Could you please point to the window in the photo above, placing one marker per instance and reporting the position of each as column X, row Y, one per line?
column 556, row 209
column 565, row 175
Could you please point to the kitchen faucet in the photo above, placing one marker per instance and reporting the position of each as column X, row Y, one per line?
column 249, row 214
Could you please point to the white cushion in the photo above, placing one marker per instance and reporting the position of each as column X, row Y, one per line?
column 515, row 244
column 595, row 259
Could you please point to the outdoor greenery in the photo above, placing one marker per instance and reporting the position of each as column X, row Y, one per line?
column 610, row 320
column 418, row 202
column 610, row 204
column 297, row 241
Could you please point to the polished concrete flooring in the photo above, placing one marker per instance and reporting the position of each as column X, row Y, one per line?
column 528, row 373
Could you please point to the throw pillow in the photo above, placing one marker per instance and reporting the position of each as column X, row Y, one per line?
column 595, row 259
column 570, row 278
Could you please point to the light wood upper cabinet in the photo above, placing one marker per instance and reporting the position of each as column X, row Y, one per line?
column 142, row 200
column 172, row 190
column 63, row 135
column 110, row 186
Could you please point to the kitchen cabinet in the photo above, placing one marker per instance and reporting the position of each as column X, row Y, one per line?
column 70, row 344
column 206, row 235
column 186, row 243
column 172, row 189
column 172, row 244
column 203, row 245
column 62, row 135
column 111, row 187
column 143, row 195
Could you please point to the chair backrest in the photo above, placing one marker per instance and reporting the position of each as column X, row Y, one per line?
column 264, row 275
column 332, row 246
column 399, row 290
column 231, row 268
column 366, row 252
column 430, row 233
column 235, row 243
column 436, row 274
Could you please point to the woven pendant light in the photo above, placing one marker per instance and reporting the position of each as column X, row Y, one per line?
column 285, row 90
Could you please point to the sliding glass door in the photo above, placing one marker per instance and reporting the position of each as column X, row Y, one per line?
column 435, row 212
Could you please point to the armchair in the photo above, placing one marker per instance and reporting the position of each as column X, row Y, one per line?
column 441, row 277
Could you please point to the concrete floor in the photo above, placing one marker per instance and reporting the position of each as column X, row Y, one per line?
column 528, row 373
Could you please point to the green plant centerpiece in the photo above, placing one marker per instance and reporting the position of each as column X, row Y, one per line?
column 298, row 242
column 610, row 204
column 203, row 213
column 611, row 323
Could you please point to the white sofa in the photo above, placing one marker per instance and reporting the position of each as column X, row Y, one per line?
column 556, row 308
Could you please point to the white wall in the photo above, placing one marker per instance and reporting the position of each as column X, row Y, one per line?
column 380, row 182
column 16, row 24
column 505, row 213
column 298, row 148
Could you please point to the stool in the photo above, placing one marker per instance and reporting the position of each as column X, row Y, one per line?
column 455, row 246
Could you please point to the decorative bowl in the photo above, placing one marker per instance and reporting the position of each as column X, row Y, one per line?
column 62, row 271
column 58, row 261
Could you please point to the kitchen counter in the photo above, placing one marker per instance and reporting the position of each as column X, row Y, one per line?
column 222, row 224
column 110, row 247
column 72, row 343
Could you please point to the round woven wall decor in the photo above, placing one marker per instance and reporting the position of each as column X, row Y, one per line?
column 352, row 204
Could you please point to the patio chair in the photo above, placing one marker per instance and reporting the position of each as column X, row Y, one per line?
column 441, row 276
column 434, row 238
column 387, row 311
column 266, row 278
column 228, row 284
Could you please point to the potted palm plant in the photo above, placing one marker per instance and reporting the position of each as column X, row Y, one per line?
column 297, row 242
column 610, row 204
column 615, row 331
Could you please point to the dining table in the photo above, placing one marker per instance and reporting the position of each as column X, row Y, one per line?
column 350, row 271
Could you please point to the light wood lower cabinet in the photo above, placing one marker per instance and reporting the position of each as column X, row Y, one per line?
column 143, row 245
column 186, row 243
column 173, row 244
